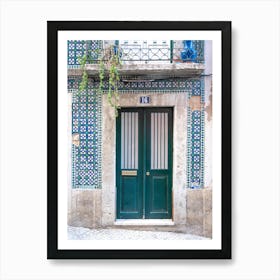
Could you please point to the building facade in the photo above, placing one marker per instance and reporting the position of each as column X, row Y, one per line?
column 150, row 166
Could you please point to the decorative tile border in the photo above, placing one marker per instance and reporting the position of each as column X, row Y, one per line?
column 183, row 84
column 196, row 140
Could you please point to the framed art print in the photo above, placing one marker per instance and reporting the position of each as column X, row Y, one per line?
column 139, row 140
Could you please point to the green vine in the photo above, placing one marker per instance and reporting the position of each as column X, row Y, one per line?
column 108, row 62
column 82, row 61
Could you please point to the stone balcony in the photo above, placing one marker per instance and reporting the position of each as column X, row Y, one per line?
column 189, row 69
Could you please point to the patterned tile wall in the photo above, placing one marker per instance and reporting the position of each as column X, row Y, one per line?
column 196, row 140
column 77, row 48
column 87, row 121
column 193, row 86
column 86, row 134
column 87, row 118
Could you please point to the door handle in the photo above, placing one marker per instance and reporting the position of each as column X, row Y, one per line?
column 148, row 173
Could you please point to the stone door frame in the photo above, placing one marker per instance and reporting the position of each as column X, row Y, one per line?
column 109, row 195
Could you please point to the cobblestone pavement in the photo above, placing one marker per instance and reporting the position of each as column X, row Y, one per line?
column 80, row 233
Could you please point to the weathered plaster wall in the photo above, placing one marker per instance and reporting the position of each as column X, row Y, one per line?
column 84, row 205
column 199, row 211
column 86, row 208
column 208, row 115
column 108, row 164
column 199, row 201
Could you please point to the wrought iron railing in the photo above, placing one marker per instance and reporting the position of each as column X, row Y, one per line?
column 173, row 52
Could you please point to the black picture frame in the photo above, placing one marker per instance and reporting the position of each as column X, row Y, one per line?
column 52, row 139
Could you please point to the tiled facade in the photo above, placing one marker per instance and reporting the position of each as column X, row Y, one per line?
column 77, row 48
column 86, row 124
column 87, row 120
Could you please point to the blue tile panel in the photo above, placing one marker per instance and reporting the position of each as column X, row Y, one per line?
column 77, row 48
column 196, row 140
column 198, row 45
column 86, row 123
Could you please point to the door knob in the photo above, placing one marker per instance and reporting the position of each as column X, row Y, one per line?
column 148, row 173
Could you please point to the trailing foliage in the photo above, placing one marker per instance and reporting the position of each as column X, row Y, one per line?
column 84, row 82
column 108, row 62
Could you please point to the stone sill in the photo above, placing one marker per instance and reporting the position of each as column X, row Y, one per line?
column 171, row 69
column 144, row 222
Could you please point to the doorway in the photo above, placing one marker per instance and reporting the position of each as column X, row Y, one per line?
column 144, row 163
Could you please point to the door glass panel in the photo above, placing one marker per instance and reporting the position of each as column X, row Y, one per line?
column 159, row 140
column 129, row 140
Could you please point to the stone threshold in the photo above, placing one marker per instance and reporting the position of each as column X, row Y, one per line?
column 144, row 222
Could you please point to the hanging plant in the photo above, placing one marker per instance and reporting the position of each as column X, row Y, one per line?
column 108, row 64
column 84, row 82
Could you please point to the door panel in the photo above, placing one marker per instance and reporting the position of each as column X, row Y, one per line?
column 129, row 176
column 129, row 195
column 159, row 163
column 144, row 163
column 159, row 193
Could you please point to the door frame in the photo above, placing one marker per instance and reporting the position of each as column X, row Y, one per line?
column 178, row 101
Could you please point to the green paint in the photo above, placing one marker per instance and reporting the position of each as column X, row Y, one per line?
column 171, row 50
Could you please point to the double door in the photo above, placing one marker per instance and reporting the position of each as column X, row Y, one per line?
column 144, row 163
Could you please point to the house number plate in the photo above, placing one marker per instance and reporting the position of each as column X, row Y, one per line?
column 145, row 99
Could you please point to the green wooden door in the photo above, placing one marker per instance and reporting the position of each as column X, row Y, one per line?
column 144, row 163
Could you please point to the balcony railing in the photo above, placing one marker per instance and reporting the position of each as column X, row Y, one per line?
column 185, row 51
